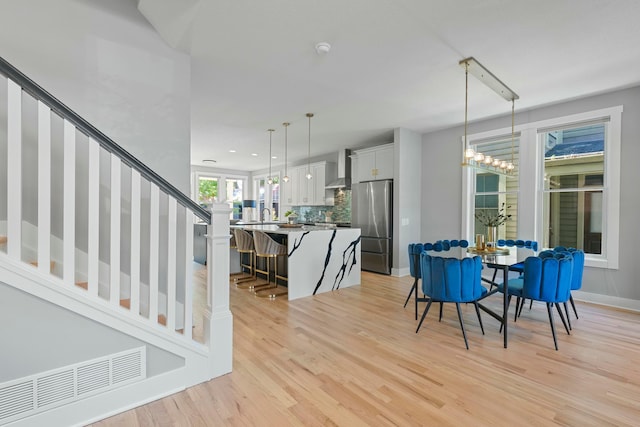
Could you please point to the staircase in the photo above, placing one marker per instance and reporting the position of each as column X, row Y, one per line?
column 87, row 227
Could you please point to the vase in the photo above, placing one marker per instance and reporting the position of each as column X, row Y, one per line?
column 492, row 234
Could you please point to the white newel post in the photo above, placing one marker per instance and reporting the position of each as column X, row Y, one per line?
column 218, row 321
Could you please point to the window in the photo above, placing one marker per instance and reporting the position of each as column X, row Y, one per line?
column 496, row 193
column 268, row 196
column 234, row 196
column 209, row 189
column 573, row 186
column 566, row 191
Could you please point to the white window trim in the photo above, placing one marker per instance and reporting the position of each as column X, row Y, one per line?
column 268, row 200
column 221, row 177
column 530, row 208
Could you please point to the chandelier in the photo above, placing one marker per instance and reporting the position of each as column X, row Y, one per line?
column 471, row 157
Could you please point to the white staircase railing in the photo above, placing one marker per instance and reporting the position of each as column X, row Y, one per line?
column 103, row 225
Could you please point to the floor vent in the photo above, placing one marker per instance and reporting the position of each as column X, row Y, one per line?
column 28, row 396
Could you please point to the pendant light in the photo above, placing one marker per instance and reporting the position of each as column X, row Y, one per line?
column 286, row 176
column 309, row 176
column 270, row 178
column 470, row 157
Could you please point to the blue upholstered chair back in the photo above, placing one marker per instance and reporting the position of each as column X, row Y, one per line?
column 451, row 279
column 455, row 248
column 524, row 248
column 415, row 249
column 578, row 265
column 548, row 278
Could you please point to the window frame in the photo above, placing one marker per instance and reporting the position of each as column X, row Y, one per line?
column 531, row 173
column 222, row 180
column 268, row 200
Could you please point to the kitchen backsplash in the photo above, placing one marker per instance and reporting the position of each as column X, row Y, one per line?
column 340, row 212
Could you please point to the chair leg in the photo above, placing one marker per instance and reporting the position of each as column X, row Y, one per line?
column 522, row 305
column 479, row 318
column 440, row 318
column 566, row 311
column 530, row 304
column 410, row 292
column 573, row 305
column 493, row 279
column 564, row 322
column 553, row 328
column 272, row 292
column 505, row 313
column 518, row 300
column 464, row 334
column 426, row 310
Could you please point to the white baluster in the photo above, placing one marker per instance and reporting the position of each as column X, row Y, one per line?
column 14, row 169
column 93, row 251
column 171, row 264
column 135, row 242
column 69, row 205
column 154, row 230
column 188, row 274
column 44, row 188
column 116, row 190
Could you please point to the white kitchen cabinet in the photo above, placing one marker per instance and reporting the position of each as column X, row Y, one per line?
column 300, row 191
column 372, row 164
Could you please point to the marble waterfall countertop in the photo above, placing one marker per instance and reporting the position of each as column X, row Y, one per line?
column 320, row 258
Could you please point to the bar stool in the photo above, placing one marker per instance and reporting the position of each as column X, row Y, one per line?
column 244, row 246
column 269, row 249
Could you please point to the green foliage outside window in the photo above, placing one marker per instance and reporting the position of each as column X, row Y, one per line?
column 208, row 190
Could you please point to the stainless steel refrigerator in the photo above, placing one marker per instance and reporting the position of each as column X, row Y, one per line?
column 372, row 212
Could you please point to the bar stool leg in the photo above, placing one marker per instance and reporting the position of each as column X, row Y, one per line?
column 272, row 292
column 239, row 281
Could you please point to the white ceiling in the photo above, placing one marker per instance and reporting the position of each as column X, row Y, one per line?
column 393, row 63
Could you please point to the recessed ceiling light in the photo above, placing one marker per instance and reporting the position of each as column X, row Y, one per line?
column 323, row 48
column 274, row 157
column 209, row 161
column 232, row 151
column 254, row 154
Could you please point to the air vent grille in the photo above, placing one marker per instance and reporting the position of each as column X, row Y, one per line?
column 16, row 399
column 126, row 367
column 55, row 388
column 28, row 396
column 92, row 377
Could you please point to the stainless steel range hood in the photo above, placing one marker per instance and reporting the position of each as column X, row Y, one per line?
column 344, row 171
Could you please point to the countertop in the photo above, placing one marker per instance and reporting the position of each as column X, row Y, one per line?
column 274, row 228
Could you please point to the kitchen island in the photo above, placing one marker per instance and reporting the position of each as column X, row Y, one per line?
column 319, row 258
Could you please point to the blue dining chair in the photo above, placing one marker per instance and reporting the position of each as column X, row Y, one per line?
column 576, row 274
column 453, row 245
column 546, row 279
column 452, row 280
column 415, row 249
column 530, row 247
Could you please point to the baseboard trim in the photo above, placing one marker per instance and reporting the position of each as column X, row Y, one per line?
column 607, row 300
column 400, row 272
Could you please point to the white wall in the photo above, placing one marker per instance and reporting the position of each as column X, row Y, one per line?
column 106, row 62
column 406, row 197
column 51, row 337
column 442, row 183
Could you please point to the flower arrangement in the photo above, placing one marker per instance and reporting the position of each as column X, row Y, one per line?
column 495, row 219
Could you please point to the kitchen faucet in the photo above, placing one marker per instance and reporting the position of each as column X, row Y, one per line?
column 262, row 214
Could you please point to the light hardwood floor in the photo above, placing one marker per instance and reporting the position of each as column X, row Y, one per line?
column 352, row 358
